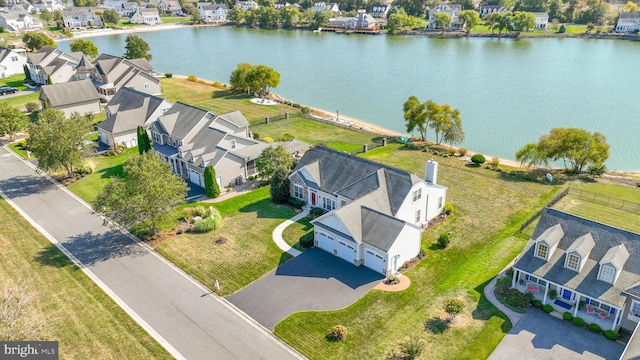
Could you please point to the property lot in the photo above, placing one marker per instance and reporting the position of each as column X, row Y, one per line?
column 540, row 336
column 314, row 280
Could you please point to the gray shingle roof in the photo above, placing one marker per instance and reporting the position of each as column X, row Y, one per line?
column 129, row 109
column 380, row 230
column 181, row 119
column 553, row 234
column 69, row 93
column 235, row 117
column 583, row 245
column 586, row 281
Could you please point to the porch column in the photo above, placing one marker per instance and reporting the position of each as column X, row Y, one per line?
column 546, row 291
column 575, row 311
column 515, row 276
column 615, row 321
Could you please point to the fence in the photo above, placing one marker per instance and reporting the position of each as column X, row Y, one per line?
column 551, row 202
column 622, row 204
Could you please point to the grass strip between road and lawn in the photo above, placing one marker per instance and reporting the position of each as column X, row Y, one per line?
column 86, row 322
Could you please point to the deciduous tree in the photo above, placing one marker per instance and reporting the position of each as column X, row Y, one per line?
column 522, row 21
column 12, row 120
column 144, row 143
column 261, row 79
column 87, row 47
column 144, row 196
column 272, row 158
column 445, row 119
column 238, row 78
column 110, row 16
column 35, row 40
column 57, row 141
column 442, row 20
column 236, row 15
column 289, row 17
column 211, row 186
column 630, row 7
column 136, row 48
column 470, row 19
column 415, row 116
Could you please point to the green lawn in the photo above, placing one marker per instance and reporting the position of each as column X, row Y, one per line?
column 248, row 254
column 615, row 204
column 105, row 167
column 85, row 321
column 315, row 132
column 175, row 19
column 296, row 231
column 218, row 100
column 18, row 149
column 13, row 81
column 21, row 101
column 489, row 208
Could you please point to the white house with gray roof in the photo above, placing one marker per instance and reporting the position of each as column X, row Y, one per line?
column 592, row 269
column 148, row 16
column 11, row 62
column 127, row 110
column 376, row 213
column 74, row 96
column 111, row 73
column 50, row 63
column 190, row 138
column 81, row 17
column 628, row 22
column 450, row 9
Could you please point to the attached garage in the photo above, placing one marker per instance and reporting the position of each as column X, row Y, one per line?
column 374, row 261
column 325, row 242
column 194, row 177
column 346, row 251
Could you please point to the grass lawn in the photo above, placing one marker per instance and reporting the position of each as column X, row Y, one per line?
column 218, row 100
column 175, row 19
column 13, row 81
column 249, row 253
column 85, row 321
column 105, row 167
column 18, row 149
column 489, row 208
column 296, row 231
column 315, row 132
column 21, row 101
column 600, row 207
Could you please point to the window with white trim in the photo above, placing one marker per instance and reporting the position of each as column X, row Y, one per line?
column 417, row 194
column 634, row 310
column 232, row 143
column 440, row 202
column 298, row 192
column 573, row 261
column 328, row 204
column 607, row 273
column 418, row 217
column 542, row 250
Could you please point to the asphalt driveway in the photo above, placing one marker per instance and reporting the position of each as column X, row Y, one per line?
column 540, row 336
column 314, row 280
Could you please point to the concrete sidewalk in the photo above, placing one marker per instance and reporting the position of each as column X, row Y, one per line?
column 513, row 316
column 277, row 234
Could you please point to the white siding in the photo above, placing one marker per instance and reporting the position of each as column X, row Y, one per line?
column 406, row 247
column 428, row 211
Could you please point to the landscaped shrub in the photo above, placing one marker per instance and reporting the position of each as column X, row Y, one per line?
column 307, row 240
column 200, row 211
column 578, row 321
column 295, row 203
column 463, row 151
column 562, row 29
column 412, row 348
column 179, row 232
column 285, row 137
column 188, row 230
column 547, row 308
column 168, row 75
column 339, row 332
column 502, row 285
column 567, row 316
column 448, row 209
column 514, row 297
column 315, row 212
column 509, row 273
column 495, row 162
column 218, row 84
column 611, row 335
column 553, row 294
column 537, row 304
column 256, row 136
column 192, row 78
column 478, row 159
column 32, row 106
column 443, row 240
column 595, row 328
column 205, row 225
column 188, row 212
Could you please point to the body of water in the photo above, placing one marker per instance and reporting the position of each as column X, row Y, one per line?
column 509, row 92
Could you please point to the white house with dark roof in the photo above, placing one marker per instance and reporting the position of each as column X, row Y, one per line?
column 452, row 10
column 74, row 96
column 542, row 20
column 375, row 213
column 11, row 62
column 128, row 8
column 50, row 63
column 592, row 269
column 281, row 5
column 324, row 6
column 49, row 5
column 380, row 11
column 486, row 10
column 246, row 5
column 127, row 110
column 628, row 22
column 148, row 16
column 210, row 12
column 19, row 21
column 81, row 17
column 190, row 138
column 112, row 73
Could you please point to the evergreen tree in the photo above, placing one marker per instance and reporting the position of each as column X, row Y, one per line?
column 144, row 144
column 280, row 186
column 211, row 186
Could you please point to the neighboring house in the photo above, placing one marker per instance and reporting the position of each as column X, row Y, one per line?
column 49, row 5
column 81, row 17
column 127, row 110
column 128, row 8
column 363, row 21
column 323, row 6
column 75, row 96
column 485, row 10
column 190, row 138
column 380, row 11
column 450, row 9
column 542, row 20
column 147, row 16
column 376, row 213
column 247, row 5
column 628, row 22
column 50, row 63
column 167, row 6
column 581, row 261
column 11, row 62
column 19, row 21
column 112, row 73
column 25, row 7
column 281, row 5
column 212, row 12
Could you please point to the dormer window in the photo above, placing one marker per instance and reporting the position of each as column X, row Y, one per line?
column 191, row 157
column 573, row 261
column 607, row 273
column 542, row 250
column 201, row 162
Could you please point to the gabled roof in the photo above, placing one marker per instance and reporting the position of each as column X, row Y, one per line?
column 617, row 255
column 630, row 16
column 235, row 118
column 5, row 53
column 69, row 93
column 552, row 235
column 380, row 230
column 182, row 119
column 84, row 64
column 583, row 245
column 129, row 109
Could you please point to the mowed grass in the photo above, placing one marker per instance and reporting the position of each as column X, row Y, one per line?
column 106, row 167
column 21, row 101
column 85, row 321
column 15, row 81
column 249, row 253
column 615, row 204
column 315, row 132
column 219, row 101
column 294, row 233
column 489, row 208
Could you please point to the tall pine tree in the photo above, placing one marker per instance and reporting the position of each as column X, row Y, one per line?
column 144, row 144
column 211, row 186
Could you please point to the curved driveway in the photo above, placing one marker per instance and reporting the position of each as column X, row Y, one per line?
column 177, row 311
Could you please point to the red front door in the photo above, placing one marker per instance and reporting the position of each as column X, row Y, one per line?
column 313, row 199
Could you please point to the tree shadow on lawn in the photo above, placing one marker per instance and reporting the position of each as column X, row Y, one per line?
column 25, row 185
column 486, row 310
column 229, row 95
column 266, row 209
column 435, row 325
column 117, row 170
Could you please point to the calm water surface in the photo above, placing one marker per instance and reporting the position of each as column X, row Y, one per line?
column 508, row 92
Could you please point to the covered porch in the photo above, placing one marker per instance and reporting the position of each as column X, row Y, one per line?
column 607, row 316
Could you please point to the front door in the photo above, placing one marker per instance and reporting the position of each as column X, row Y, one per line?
column 313, row 198
column 566, row 294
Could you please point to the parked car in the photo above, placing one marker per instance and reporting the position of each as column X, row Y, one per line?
column 8, row 90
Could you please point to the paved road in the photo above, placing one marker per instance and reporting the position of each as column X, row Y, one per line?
column 314, row 280
column 176, row 310
column 541, row 336
column 19, row 93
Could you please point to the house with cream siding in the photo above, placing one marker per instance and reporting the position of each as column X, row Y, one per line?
column 74, row 96
column 11, row 62
column 19, row 21
column 148, row 16
column 247, row 5
column 111, row 73
column 81, row 17
column 486, row 10
column 628, row 22
column 210, row 12
column 50, row 63
column 375, row 213
column 542, row 20
column 452, row 10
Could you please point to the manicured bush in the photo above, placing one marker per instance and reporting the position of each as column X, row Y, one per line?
column 537, row 304
column 448, row 209
column 514, row 297
column 562, row 29
column 200, row 211
column 578, row 321
column 478, row 159
column 567, row 316
column 339, row 332
column 307, row 240
column 502, row 285
column 611, row 335
column 595, row 328
column 32, row 106
column 509, row 273
column 285, row 137
column 168, row 75
column 295, row 203
column 188, row 230
column 192, row 78
column 553, row 294
column 547, row 308
column 443, row 240
column 204, row 225
column 256, row 136
column 315, row 212
column 211, row 186
column 179, row 232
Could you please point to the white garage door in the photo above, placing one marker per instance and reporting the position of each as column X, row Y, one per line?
column 325, row 243
column 194, row 177
column 346, row 251
column 374, row 262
